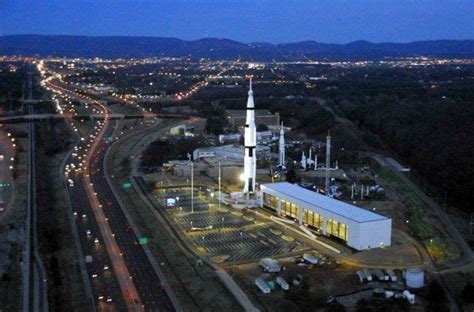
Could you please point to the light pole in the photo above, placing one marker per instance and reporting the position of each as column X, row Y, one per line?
column 219, row 186
column 192, row 183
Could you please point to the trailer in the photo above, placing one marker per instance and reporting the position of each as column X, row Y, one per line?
column 282, row 283
column 361, row 276
column 391, row 275
column 262, row 285
column 409, row 296
column 269, row 265
column 310, row 259
column 368, row 275
column 379, row 274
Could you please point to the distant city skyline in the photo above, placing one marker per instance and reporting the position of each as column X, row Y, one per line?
column 245, row 21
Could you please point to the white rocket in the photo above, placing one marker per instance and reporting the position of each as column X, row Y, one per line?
column 310, row 160
column 281, row 145
column 303, row 161
column 250, row 141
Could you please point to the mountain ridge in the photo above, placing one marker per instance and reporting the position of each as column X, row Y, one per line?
column 223, row 48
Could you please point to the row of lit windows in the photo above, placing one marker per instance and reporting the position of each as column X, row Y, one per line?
column 270, row 201
column 337, row 229
column 289, row 209
column 310, row 218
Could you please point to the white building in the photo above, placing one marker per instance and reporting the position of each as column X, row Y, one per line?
column 357, row 227
column 233, row 137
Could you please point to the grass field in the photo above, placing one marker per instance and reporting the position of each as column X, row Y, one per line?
column 421, row 221
column 11, row 284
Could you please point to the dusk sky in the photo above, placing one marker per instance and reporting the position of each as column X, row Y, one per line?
column 276, row 21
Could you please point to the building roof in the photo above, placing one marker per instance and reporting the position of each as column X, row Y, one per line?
column 323, row 202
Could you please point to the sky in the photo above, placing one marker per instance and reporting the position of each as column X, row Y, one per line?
column 275, row 21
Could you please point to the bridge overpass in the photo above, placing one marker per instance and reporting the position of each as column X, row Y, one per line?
column 32, row 117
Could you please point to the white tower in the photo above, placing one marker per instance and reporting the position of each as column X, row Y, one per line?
column 281, row 155
column 328, row 162
column 310, row 159
column 250, row 141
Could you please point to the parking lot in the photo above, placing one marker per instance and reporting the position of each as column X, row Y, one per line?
column 224, row 235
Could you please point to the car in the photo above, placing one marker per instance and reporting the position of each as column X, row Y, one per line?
column 109, row 300
column 88, row 232
column 106, row 267
column 128, row 229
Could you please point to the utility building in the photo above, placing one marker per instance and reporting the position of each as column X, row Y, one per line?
column 357, row 227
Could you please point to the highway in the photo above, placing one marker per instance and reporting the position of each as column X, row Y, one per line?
column 111, row 285
column 147, row 282
column 35, row 292
column 130, row 281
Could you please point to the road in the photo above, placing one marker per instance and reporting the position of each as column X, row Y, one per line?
column 130, row 282
column 149, row 286
column 35, row 291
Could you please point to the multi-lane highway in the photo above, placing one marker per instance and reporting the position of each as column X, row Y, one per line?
column 147, row 282
column 119, row 272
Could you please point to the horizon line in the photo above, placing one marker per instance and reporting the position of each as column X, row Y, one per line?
column 224, row 38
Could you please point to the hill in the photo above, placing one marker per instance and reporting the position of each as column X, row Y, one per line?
column 217, row 48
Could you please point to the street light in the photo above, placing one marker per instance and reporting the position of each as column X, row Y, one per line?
column 192, row 183
column 219, row 186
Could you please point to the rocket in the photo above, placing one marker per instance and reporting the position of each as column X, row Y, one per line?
column 250, row 141
column 281, row 155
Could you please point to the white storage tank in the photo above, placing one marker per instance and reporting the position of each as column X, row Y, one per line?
column 415, row 278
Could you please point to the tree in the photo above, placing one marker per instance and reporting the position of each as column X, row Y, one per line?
column 215, row 125
column 437, row 298
column 436, row 292
column 262, row 127
column 5, row 277
column 336, row 307
column 291, row 176
column 467, row 293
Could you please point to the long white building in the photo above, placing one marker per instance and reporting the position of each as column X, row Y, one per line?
column 357, row 227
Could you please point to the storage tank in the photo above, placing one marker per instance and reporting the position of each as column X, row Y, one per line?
column 415, row 278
